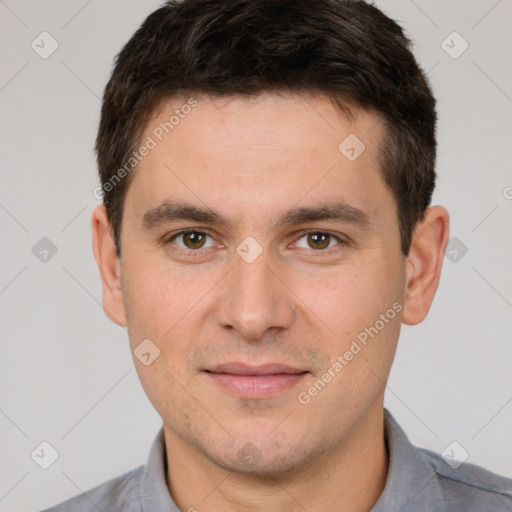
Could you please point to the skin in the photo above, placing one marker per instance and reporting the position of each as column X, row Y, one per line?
column 250, row 160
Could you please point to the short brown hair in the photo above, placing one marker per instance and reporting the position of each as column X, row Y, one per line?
column 347, row 50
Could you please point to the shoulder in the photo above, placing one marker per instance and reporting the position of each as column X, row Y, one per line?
column 119, row 494
column 469, row 487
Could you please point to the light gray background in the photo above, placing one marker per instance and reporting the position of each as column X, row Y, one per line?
column 66, row 372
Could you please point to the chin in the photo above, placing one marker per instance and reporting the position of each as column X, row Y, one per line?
column 264, row 460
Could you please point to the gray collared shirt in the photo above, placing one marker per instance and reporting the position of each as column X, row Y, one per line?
column 418, row 480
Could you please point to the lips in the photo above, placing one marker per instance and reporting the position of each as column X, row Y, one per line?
column 256, row 382
column 265, row 369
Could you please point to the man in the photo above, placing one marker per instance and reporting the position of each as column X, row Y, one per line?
column 267, row 169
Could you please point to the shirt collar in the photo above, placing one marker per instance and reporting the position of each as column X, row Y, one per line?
column 411, row 483
column 154, row 491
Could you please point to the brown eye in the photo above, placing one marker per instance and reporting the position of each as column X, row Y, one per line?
column 194, row 239
column 318, row 240
column 191, row 239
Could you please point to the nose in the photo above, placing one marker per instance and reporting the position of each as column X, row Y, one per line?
column 254, row 298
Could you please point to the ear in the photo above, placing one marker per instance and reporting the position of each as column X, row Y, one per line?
column 423, row 264
column 109, row 265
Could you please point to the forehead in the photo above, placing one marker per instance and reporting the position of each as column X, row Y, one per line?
column 257, row 152
column 279, row 121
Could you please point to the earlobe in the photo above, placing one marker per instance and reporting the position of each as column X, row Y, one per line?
column 424, row 263
column 109, row 266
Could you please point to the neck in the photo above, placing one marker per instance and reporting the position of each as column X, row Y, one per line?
column 351, row 476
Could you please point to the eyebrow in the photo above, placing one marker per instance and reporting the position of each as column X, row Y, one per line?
column 338, row 211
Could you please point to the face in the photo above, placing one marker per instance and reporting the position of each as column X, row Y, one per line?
column 276, row 313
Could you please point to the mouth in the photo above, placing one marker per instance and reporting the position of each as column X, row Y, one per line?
column 256, row 382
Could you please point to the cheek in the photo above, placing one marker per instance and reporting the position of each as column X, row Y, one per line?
column 360, row 343
column 166, row 305
column 160, row 307
column 157, row 297
column 352, row 298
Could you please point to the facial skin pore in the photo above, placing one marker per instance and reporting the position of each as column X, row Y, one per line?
column 301, row 302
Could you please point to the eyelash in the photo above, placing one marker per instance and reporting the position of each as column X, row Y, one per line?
column 197, row 252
